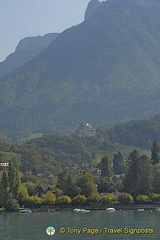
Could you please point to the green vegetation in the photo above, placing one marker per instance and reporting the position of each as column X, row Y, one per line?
column 106, row 70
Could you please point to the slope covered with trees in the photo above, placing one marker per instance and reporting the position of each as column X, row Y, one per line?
column 104, row 70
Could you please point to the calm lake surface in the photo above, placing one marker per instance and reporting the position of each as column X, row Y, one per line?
column 16, row 226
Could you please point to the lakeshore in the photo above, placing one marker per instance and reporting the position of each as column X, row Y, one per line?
column 55, row 207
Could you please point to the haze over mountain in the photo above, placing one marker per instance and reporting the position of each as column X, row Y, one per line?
column 27, row 49
column 102, row 71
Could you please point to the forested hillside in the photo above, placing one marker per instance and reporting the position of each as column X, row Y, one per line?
column 102, row 71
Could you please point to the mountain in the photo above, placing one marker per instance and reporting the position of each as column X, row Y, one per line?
column 102, row 71
column 27, row 49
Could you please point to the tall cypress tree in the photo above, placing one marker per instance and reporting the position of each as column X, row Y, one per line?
column 13, row 179
column 105, row 167
column 118, row 164
column 5, row 188
column 155, row 152
column 131, row 176
column 145, row 177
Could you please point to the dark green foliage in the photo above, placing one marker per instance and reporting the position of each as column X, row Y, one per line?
column 93, row 199
column 118, row 164
column 71, row 189
column 155, row 152
column 156, row 178
column 144, row 184
column 105, row 184
column 105, row 167
column 139, row 133
column 139, row 176
column 131, row 176
column 125, row 198
column 104, row 70
column 13, row 179
column 86, row 184
column 62, row 181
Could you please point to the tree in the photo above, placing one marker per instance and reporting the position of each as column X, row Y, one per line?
column 142, row 199
column 61, row 183
column 13, row 179
column 156, row 178
column 63, row 200
column 1, row 194
column 105, row 167
column 155, row 152
column 108, row 198
column 79, row 200
column 11, row 203
column 49, row 197
column 93, row 199
column 155, row 198
column 86, row 184
column 145, row 177
column 71, row 189
column 118, row 164
column 34, row 201
column 105, row 184
column 125, row 198
column 22, row 194
column 131, row 176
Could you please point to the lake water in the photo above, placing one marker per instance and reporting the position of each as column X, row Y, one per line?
column 16, row 226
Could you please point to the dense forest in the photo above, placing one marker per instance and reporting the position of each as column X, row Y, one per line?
column 103, row 71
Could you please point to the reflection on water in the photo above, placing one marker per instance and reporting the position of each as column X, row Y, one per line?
column 15, row 226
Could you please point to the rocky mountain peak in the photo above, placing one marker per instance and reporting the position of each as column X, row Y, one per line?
column 92, row 7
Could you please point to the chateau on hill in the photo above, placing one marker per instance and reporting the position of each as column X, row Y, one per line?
column 85, row 130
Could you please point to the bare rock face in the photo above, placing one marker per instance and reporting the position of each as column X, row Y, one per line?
column 93, row 5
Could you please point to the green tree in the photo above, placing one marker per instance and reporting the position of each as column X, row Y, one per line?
column 105, row 184
column 1, row 194
column 13, row 179
column 108, row 199
column 125, row 198
column 34, row 201
column 155, row 152
column 63, row 200
column 49, row 197
column 86, row 184
column 5, row 188
column 79, row 200
column 11, row 203
column 71, row 189
column 145, row 177
column 142, row 199
column 118, row 164
column 93, row 199
column 22, row 194
column 105, row 167
column 131, row 176
column 155, row 197
column 61, row 183
column 156, row 178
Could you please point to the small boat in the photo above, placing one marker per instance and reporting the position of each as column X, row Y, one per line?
column 25, row 211
column 78, row 210
column 140, row 209
column 157, row 209
column 110, row 209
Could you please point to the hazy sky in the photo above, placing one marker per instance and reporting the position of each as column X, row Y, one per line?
column 25, row 18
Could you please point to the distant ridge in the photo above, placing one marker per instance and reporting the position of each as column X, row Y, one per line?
column 103, row 71
column 27, row 49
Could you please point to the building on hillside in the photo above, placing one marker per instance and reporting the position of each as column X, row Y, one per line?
column 41, row 189
column 85, row 130
column 4, row 164
column 6, row 171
